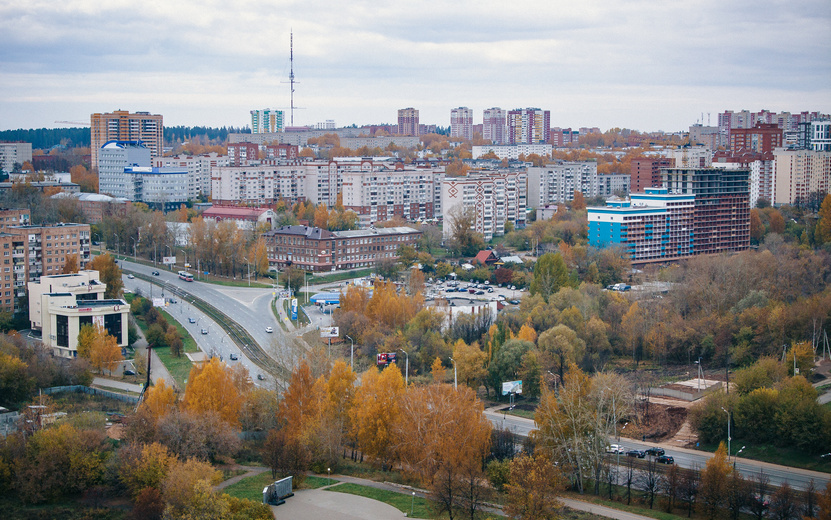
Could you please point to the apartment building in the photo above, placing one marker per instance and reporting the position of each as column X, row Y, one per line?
column 761, row 138
column 242, row 154
column 653, row 226
column 645, row 172
column 762, row 167
column 461, row 123
column 316, row 249
column 690, row 156
column 46, row 246
column 722, row 205
column 557, row 182
column 14, row 217
column 121, row 125
column 529, row 125
column 408, row 121
column 798, row 173
column 494, row 125
column 114, row 157
column 60, row 305
column 266, row 120
column 199, row 170
column 165, row 189
column 381, row 194
column 814, row 135
column 495, row 197
column 512, row 151
column 14, row 153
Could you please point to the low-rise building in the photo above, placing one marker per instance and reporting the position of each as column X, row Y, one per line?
column 244, row 218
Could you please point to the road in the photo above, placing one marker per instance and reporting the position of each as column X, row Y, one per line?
column 686, row 458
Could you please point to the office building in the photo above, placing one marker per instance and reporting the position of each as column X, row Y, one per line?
column 461, row 123
column 14, row 154
column 266, row 121
column 495, row 197
column 494, row 125
column 800, row 173
column 408, row 121
column 654, row 226
column 315, row 249
column 199, row 170
column 60, row 305
column 529, row 125
column 121, row 125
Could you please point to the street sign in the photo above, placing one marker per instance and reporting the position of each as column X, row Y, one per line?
column 511, row 387
column 294, row 308
column 329, row 332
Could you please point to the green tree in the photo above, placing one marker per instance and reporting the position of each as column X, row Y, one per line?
column 550, row 275
column 822, row 234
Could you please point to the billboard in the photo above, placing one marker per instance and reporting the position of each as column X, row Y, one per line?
column 511, row 387
column 329, row 332
column 294, row 308
column 385, row 358
column 158, row 302
column 168, row 260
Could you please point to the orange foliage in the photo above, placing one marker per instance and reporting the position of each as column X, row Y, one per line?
column 214, row 387
column 390, row 308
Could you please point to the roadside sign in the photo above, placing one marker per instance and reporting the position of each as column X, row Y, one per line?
column 329, row 332
column 294, row 308
column 511, row 387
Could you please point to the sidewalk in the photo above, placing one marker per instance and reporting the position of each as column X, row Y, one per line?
column 157, row 368
column 120, row 385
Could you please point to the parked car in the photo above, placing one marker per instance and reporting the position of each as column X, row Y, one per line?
column 514, row 302
column 204, row 331
column 129, row 372
column 191, row 320
column 234, row 357
column 615, row 448
column 269, row 329
column 490, row 289
column 479, row 293
column 655, row 452
column 260, row 377
column 665, row 459
column 155, row 273
column 130, row 276
column 636, row 453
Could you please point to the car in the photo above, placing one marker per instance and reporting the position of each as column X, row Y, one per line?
column 191, row 320
column 655, row 452
column 260, row 377
column 479, row 293
column 129, row 372
column 636, row 453
column 490, row 289
column 130, row 276
column 155, row 273
column 234, row 357
column 172, row 300
column 665, row 459
column 269, row 329
column 514, row 302
column 615, row 448
column 204, row 331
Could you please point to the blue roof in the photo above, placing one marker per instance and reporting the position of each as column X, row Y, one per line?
column 326, row 297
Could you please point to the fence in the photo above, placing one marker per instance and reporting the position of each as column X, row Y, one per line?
column 92, row 391
column 276, row 493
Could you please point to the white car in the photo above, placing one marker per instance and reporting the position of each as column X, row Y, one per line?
column 615, row 448
column 130, row 276
column 269, row 329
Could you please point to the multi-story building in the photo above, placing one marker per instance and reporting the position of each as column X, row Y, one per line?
column 722, row 205
column 408, row 121
column 563, row 136
column 165, row 189
column 762, row 168
column 316, row 249
column 281, row 152
column 799, row 173
column 495, row 197
column 708, row 136
column 381, row 194
column 47, row 246
column 814, row 135
column 60, row 305
column 12, row 272
column 557, row 183
column 645, row 172
column 14, row 153
column 198, row 167
column 493, row 125
column 761, row 138
column 529, row 125
column 266, row 120
column 654, row 226
column 242, row 154
column 244, row 218
column 121, row 125
column 14, row 217
column 461, row 123
column 788, row 122
column 114, row 156
column 512, row 151
column 690, row 156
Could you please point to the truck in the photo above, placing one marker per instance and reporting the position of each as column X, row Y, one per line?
column 622, row 287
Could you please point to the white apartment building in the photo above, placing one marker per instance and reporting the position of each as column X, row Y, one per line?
column 163, row 188
column 691, row 157
column 381, row 194
column 113, row 157
column 496, row 198
column 493, row 125
column 799, row 173
column 512, row 151
column 266, row 121
column 11, row 153
column 461, row 123
column 557, row 183
column 198, row 168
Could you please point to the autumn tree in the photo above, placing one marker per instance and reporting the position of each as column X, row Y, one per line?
column 714, row 480
column 109, row 273
column 578, row 203
column 464, row 240
column 470, row 363
column 70, row 264
column 159, row 399
column 104, row 351
column 550, row 275
column 563, row 345
column 144, row 465
column 285, row 455
column 822, row 234
column 86, row 336
column 372, row 422
column 533, row 488
column 188, row 494
column 212, row 387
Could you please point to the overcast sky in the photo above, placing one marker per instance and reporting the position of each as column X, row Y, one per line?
column 646, row 65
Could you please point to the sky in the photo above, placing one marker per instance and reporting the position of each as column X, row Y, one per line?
column 636, row 64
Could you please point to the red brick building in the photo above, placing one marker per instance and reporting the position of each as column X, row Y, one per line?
column 645, row 172
column 240, row 154
column 762, row 138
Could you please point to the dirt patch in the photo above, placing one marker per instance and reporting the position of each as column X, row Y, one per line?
column 663, row 422
column 116, row 432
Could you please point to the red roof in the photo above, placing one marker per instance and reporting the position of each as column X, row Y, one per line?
column 486, row 256
column 232, row 212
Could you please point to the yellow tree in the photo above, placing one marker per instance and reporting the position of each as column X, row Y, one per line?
column 823, row 230
column 438, row 371
column 85, row 338
column 159, row 399
column 527, row 332
column 70, row 264
column 104, row 351
column 302, row 402
column 470, row 363
column 109, row 273
column 321, row 216
column 259, row 257
column 373, row 420
column 713, row 486
column 145, row 466
column 211, row 387
column 533, row 488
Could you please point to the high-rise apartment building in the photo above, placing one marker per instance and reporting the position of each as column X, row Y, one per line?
column 46, row 247
column 266, row 121
column 14, row 153
column 645, row 172
column 556, row 183
column 799, row 173
column 121, row 125
column 762, row 168
column 114, row 156
column 461, row 123
column 814, row 135
column 198, row 167
column 529, row 125
column 241, row 154
column 761, row 138
column 493, row 125
column 408, row 121
column 381, row 194
column 495, row 197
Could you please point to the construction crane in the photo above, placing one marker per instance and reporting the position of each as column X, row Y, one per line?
column 76, row 123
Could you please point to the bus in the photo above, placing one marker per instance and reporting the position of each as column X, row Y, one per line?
column 186, row 276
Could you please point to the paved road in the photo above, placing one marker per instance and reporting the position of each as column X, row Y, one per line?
column 120, row 385
column 687, row 458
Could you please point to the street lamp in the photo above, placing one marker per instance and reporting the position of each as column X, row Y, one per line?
column 351, row 351
column 737, row 456
column 729, row 438
column 249, row 269
column 134, row 248
column 329, row 472
column 455, row 375
column 412, row 505
column 700, row 373
column 117, row 240
column 407, row 367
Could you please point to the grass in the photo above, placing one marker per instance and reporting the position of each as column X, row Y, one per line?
column 784, row 456
column 67, row 509
column 302, row 318
column 187, row 339
column 252, row 487
column 277, row 315
column 634, row 509
column 231, row 473
column 519, row 413
column 340, row 276
column 421, row 506
column 179, row 367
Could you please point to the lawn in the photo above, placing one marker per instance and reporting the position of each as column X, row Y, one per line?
column 302, row 318
column 187, row 339
column 784, row 456
column 642, row 510
column 252, row 487
column 339, row 276
column 403, row 502
column 179, row 367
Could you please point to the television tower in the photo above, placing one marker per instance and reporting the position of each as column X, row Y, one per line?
column 291, row 74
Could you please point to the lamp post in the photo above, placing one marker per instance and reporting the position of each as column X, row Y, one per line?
column 351, row 352
column 729, row 438
column 117, row 240
column 699, row 373
column 455, row 375
column 134, row 248
column 329, row 473
column 412, row 505
column 737, row 456
column 407, row 367
column 249, row 269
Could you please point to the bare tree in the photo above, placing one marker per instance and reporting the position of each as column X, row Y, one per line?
column 671, row 485
column 760, row 485
column 630, row 478
column 650, row 481
column 689, row 489
column 737, row 494
column 784, row 504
